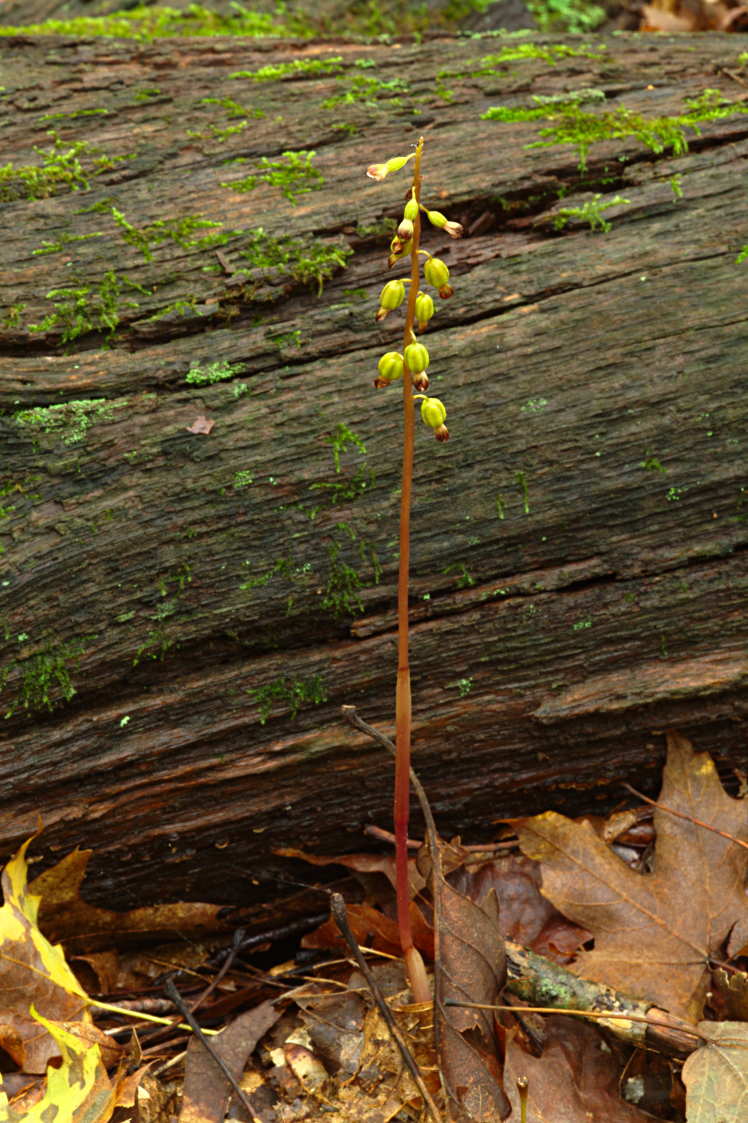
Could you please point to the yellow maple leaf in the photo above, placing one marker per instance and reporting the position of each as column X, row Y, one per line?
column 79, row 1091
column 32, row 971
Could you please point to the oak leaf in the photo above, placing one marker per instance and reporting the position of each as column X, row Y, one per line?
column 654, row 932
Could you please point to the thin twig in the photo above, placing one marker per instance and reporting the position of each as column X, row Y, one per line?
column 603, row 1015
column 186, row 1013
column 688, row 818
column 338, row 910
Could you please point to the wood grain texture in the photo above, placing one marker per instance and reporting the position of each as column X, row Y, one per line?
column 569, row 597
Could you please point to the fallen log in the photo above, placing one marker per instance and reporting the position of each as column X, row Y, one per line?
column 199, row 482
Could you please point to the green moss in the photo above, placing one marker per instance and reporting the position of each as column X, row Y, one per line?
column 243, row 478
column 742, row 255
column 12, row 318
column 71, row 420
column 63, row 241
column 199, row 375
column 86, row 309
column 369, row 91
column 147, row 94
column 298, row 68
column 465, row 580
column 46, row 680
column 591, row 212
column 291, row 693
column 308, row 261
column 72, row 114
column 292, row 172
column 652, row 464
column 341, row 594
column 61, row 169
column 186, row 306
column 287, row 339
column 573, row 125
column 146, row 23
column 179, row 230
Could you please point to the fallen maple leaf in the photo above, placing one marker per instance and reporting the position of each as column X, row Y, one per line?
column 78, row 1090
column 716, row 1075
column 64, row 915
column 574, row 1081
column 654, row 933
column 32, row 972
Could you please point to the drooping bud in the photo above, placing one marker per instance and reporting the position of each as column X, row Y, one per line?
column 391, row 296
column 411, row 209
column 446, row 291
column 433, row 413
column 405, row 230
column 421, row 381
column 379, row 171
column 390, row 367
column 416, row 357
column 436, row 273
column 424, row 310
column 436, row 218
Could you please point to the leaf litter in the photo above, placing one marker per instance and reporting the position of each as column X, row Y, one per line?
column 646, row 920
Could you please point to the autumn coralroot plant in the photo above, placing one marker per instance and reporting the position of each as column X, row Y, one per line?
column 409, row 367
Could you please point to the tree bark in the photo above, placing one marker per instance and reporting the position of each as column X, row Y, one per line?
column 185, row 612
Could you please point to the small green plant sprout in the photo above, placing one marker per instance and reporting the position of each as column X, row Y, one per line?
column 409, row 367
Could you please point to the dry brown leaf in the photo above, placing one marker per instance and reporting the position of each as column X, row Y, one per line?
column 206, row 1089
column 696, row 15
column 525, row 915
column 201, row 424
column 469, row 966
column 360, row 863
column 654, row 933
column 372, row 928
column 65, row 916
column 574, row 1081
column 716, row 1075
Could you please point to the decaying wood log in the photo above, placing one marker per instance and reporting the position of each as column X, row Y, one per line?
column 186, row 606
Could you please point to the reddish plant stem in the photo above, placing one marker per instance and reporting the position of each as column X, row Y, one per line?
column 416, row 974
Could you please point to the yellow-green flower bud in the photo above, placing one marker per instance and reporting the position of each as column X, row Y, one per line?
column 411, row 210
column 436, row 272
column 416, row 357
column 424, row 310
column 390, row 367
column 436, row 218
column 391, row 296
column 379, row 171
column 433, row 412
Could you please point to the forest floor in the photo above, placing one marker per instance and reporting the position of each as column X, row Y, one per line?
column 619, row 993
